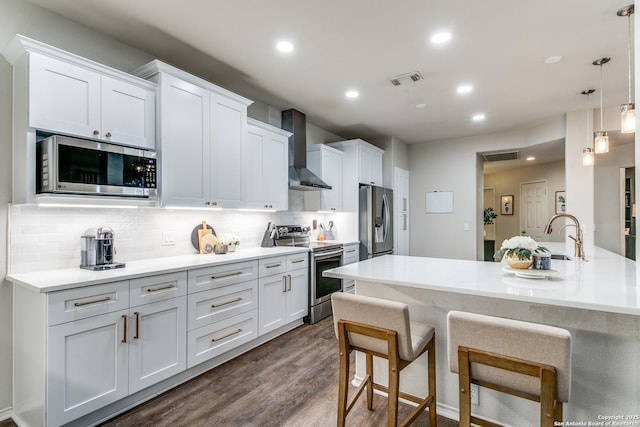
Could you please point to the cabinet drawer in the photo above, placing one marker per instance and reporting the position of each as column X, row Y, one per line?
column 220, row 337
column 297, row 261
column 222, row 275
column 273, row 265
column 80, row 303
column 221, row 303
column 157, row 288
column 349, row 286
column 351, row 254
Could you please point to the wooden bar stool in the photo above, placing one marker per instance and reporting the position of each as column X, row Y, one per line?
column 523, row 359
column 378, row 327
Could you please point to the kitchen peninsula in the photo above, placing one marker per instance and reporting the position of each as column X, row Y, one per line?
column 597, row 300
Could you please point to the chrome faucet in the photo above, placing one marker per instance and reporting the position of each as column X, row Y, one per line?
column 579, row 252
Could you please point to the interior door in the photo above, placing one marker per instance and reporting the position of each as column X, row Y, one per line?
column 533, row 209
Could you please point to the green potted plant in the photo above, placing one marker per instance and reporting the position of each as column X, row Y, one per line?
column 489, row 215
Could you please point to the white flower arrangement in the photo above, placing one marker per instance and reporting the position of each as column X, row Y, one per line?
column 228, row 239
column 519, row 246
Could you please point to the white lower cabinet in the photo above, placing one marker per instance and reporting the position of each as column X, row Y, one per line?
column 350, row 254
column 79, row 350
column 97, row 360
column 223, row 312
column 157, row 342
column 283, row 297
column 87, row 366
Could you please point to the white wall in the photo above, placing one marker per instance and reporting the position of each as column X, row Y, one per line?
column 452, row 165
column 508, row 182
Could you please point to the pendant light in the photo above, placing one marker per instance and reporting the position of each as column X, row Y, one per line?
column 587, row 153
column 628, row 110
column 601, row 140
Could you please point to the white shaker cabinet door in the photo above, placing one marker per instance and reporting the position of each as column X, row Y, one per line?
column 158, row 342
column 128, row 113
column 272, row 303
column 276, row 171
column 252, row 169
column 297, row 294
column 184, row 124
column 228, row 130
column 63, row 97
column 87, row 366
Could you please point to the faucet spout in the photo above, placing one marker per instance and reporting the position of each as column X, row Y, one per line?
column 579, row 251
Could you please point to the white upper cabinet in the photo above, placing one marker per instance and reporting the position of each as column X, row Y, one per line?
column 70, row 99
column 265, row 167
column 203, row 129
column 326, row 162
column 361, row 164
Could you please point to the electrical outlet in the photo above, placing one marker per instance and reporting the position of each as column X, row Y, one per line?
column 475, row 400
column 168, row 238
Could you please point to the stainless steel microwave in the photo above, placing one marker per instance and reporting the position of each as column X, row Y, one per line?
column 67, row 165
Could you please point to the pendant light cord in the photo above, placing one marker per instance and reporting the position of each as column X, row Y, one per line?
column 629, row 54
column 601, row 90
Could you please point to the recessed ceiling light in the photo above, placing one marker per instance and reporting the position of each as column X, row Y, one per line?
column 478, row 117
column 284, row 46
column 530, row 158
column 441, row 37
column 421, row 105
column 463, row 89
column 352, row 94
column 553, row 59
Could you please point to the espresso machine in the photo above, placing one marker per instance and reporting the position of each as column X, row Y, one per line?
column 97, row 250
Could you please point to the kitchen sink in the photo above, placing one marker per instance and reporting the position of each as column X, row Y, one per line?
column 562, row 257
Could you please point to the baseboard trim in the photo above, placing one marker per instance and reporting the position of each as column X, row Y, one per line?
column 6, row 413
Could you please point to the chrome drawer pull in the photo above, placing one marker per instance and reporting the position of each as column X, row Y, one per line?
column 227, row 336
column 297, row 261
column 226, row 302
column 222, row 276
column 273, row 265
column 352, row 250
column 162, row 288
column 95, row 301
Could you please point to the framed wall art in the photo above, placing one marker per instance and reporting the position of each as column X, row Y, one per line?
column 506, row 205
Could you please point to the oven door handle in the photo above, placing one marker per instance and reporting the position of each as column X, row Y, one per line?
column 324, row 255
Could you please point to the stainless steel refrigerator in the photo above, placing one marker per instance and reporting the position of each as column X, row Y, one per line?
column 375, row 221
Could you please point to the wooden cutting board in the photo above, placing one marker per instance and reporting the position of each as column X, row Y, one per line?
column 204, row 231
column 207, row 243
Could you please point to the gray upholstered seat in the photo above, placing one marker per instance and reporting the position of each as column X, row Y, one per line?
column 379, row 327
column 510, row 342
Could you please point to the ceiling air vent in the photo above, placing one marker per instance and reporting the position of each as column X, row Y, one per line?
column 497, row 157
column 404, row 79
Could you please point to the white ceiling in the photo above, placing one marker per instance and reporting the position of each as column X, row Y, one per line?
column 499, row 46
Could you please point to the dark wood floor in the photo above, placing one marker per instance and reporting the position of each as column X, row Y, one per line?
column 290, row 381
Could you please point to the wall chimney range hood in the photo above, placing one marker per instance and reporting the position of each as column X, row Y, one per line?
column 300, row 178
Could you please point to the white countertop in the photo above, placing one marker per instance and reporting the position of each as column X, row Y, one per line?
column 606, row 282
column 55, row 280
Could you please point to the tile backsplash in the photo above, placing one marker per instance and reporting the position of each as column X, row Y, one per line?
column 43, row 238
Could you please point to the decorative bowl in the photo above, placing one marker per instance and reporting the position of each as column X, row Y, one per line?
column 520, row 264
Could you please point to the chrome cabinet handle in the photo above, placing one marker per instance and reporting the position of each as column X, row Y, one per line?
column 95, row 301
column 162, row 288
column 284, row 284
column 289, row 283
column 297, row 261
column 226, row 336
column 226, row 302
column 222, row 276
column 352, row 250
column 124, row 329
column 137, row 316
column 273, row 265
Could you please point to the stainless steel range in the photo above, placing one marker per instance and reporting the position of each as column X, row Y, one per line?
column 323, row 256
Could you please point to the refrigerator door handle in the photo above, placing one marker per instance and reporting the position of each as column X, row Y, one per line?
column 386, row 216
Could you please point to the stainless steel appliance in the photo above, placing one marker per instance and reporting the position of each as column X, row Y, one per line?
column 323, row 256
column 97, row 250
column 76, row 166
column 375, row 221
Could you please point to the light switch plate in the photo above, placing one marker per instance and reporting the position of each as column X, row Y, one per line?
column 168, row 238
